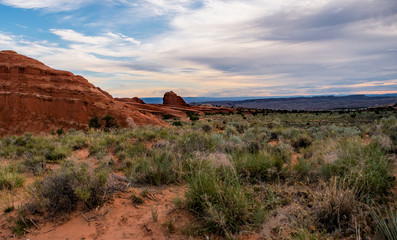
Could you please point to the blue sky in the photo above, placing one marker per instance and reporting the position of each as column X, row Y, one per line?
column 211, row 47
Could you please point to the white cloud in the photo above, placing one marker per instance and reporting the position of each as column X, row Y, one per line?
column 51, row 5
column 108, row 44
column 73, row 36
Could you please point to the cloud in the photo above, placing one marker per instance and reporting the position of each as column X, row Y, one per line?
column 226, row 47
column 50, row 5
column 108, row 38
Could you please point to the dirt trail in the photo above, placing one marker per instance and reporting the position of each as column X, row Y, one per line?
column 156, row 218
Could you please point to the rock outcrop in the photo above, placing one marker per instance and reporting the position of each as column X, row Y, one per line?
column 172, row 99
column 37, row 98
column 131, row 100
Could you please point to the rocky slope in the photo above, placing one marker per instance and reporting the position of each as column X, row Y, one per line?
column 37, row 98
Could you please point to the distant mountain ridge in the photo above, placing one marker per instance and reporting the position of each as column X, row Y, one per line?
column 314, row 103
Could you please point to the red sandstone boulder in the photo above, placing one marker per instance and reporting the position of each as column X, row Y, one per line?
column 172, row 99
column 37, row 98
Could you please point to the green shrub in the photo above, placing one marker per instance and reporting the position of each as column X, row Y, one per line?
column 110, row 122
column 94, row 123
column 10, row 178
column 155, row 169
column 257, row 166
column 365, row 168
column 217, row 196
column 60, row 131
column 195, row 141
column 389, row 127
column 304, row 169
column 177, row 123
column 54, row 153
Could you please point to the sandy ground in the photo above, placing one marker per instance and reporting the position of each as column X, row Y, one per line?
column 156, row 218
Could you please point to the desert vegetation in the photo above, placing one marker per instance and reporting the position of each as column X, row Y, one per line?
column 270, row 175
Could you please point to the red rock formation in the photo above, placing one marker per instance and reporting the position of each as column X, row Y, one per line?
column 131, row 100
column 172, row 99
column 37, row 98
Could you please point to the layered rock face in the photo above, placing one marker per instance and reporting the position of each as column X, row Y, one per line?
column 37, row 98
column 172, row 99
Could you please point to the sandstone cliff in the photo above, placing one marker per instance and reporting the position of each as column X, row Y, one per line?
column 37, row 98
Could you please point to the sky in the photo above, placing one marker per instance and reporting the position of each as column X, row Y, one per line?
column 213, row 48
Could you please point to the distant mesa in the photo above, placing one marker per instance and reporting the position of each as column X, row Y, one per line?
column 172, row 99
column 36, row 98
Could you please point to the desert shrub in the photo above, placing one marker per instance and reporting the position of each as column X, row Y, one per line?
column 193, row 116
column 155, row 169
column 206, row 128
column 389, row 127
column 334, row 131
column 147, row 133
column 10, row 178
column 35, row 164
column 136, row 150
column 167, row 116
column 99, row 143
column 275, row 133
column 301, row 141
column 60, row 192
column 27, row 147
column 231, row 145
column 110, row 122
column 19, row 224
column 365, row 168
column 60, row 131
column 177, row 123
column 304, row 169
column 217, row 197
column 256, row 134
column 55, row 153
column 94, row 123
column 384, row 142
column 195, row 141
column 230, row 131
column 75, row 140
column 334, row 205
column 274, row 124
column 257, row 166
column 253, row 147
column 240, row 126
column 283, row 150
